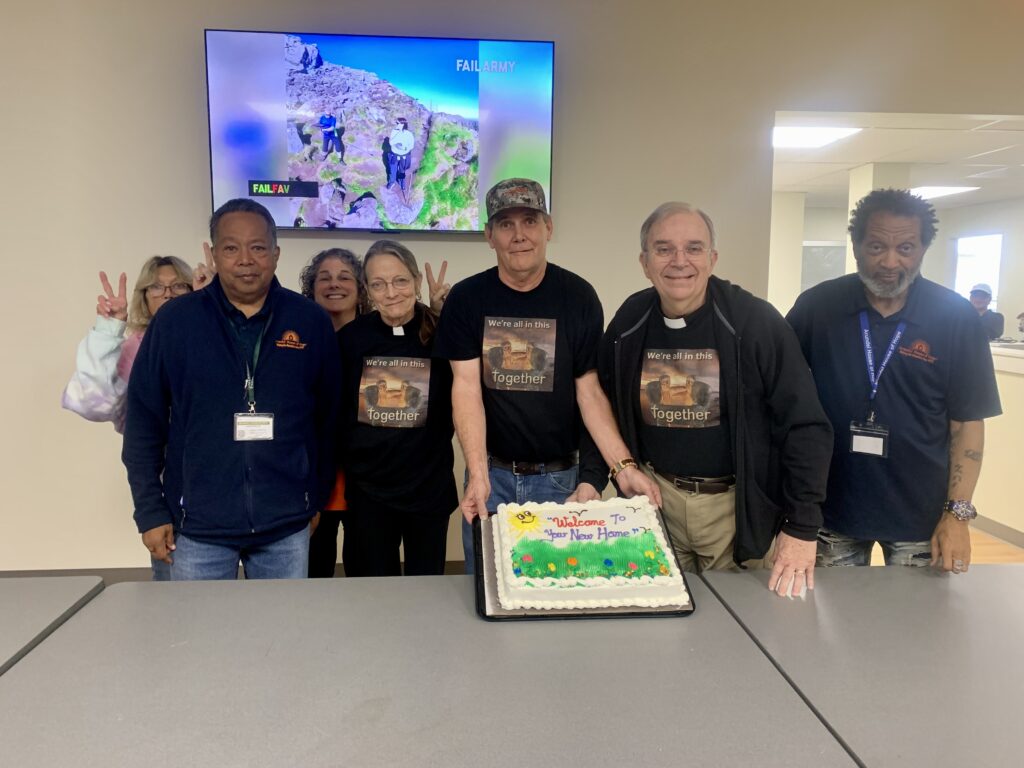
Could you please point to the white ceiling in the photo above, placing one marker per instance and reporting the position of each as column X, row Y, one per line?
column 985, row 151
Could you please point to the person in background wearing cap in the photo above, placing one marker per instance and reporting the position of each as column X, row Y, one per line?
column 522, row 338
column 714, row 397
column 992, row 322
column 904, row 371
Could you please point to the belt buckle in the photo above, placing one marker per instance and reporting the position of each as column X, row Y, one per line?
column 682, row 484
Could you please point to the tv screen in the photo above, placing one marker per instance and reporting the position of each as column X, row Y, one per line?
column 375, row 133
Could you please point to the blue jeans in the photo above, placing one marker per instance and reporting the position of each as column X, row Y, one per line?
column 286, row 558
column 161, row 570
column 507, row 488
column 837, row 549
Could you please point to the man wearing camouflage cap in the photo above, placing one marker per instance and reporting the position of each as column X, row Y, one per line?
column 523, row 338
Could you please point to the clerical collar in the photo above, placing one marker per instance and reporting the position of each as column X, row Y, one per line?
column 676, row 323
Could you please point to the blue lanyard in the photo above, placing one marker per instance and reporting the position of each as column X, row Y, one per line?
column 869, row 353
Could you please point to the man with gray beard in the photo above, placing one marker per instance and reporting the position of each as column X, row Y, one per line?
column 904, row 372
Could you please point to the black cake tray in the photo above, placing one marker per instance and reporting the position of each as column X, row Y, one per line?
column 489, row 608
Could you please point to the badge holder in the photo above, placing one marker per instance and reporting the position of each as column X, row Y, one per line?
column 869, row 438
column 254, row 426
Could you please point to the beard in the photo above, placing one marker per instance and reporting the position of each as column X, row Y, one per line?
column 886, row 290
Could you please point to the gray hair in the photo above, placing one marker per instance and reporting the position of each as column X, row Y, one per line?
column 665, row 210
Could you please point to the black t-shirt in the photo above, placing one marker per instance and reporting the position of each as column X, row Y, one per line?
column 993, row 323
column 396, row 440
column 532, row 347
column 681, row 413
column 940, row 371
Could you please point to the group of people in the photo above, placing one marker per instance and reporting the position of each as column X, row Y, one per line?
column 783, row 442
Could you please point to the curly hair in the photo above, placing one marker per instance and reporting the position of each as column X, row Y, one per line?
column 308, row 274
column 898, row 202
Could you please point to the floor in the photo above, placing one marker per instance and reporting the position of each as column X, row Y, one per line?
column 985, row 550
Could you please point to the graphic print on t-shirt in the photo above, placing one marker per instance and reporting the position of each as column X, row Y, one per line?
column 393, row 392
column 519, row 353
column 680, row 388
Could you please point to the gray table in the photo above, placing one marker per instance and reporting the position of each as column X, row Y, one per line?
column 909, row 666
column 394, row 672
column 32, row 608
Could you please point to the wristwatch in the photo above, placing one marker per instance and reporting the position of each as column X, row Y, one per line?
column 960, row 509
column 621, row 464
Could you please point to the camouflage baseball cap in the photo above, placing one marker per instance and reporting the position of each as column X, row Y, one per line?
column 515, row 193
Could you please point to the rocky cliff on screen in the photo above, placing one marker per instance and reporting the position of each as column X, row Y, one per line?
column 441, row 181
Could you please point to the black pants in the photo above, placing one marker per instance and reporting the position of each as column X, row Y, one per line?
column 323, row 546
column 374, row 533
column 328, row 141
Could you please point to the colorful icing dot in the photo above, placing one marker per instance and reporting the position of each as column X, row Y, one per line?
column 649, row 554
column 551, row 567
column 608, row 563
column 663, row 570
column 633, row 566
column 527, row 558
column 573, row 561
column 517, row 571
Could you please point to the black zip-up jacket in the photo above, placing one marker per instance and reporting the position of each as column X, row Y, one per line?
column 187, row 383
column 781, row 438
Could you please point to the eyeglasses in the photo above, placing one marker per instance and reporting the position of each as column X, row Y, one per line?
column 400, row 283
column 157, row 290
column 693, row 250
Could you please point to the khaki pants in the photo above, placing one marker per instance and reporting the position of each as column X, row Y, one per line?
column 702, row 527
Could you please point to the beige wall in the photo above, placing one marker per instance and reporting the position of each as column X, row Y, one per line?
column 785, row 248
column 826, row 224
column 105, row 161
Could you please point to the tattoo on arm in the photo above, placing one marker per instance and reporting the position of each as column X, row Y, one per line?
column 957, row 474
column 973, row 455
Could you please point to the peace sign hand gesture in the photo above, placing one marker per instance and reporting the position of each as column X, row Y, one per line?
column 203, row 273
column 438, row 289
column 110, row 304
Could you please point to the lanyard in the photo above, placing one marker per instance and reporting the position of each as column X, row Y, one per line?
column 869, row 354
column 250, row 372
column 250, row 375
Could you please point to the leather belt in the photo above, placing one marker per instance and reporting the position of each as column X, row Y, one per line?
column 533, row 467
column 707, row 485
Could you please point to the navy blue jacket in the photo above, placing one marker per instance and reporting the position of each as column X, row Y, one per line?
column 184, row 465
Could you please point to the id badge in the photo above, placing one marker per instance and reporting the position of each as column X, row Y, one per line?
column 254, row 426
column 869, row 438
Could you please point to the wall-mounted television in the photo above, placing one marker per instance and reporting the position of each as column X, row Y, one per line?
column 375, row 133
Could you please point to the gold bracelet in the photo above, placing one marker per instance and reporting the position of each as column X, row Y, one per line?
column 621, row 465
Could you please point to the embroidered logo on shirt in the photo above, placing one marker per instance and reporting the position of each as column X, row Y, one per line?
column 290, row 340
column 919, row 350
